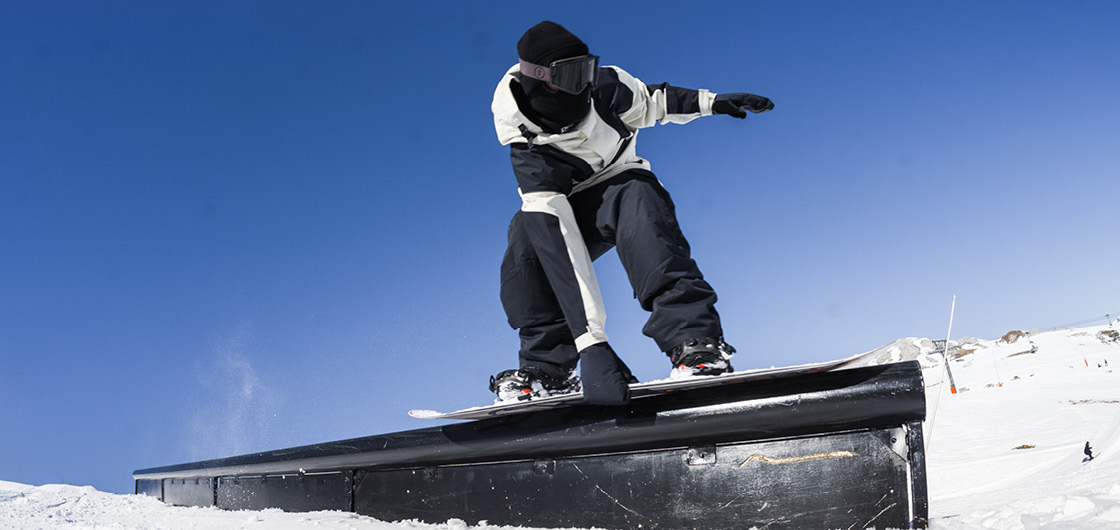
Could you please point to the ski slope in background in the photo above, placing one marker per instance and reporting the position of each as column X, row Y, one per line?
column 1005, row 452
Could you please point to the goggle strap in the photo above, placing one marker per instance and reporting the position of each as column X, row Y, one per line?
column 535, row 71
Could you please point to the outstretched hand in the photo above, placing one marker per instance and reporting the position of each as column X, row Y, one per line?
column 736, row 104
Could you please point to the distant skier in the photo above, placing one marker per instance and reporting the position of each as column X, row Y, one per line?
column 1088, row 451
column 571, row 126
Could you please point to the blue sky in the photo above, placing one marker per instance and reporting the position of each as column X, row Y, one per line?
column 234, row 226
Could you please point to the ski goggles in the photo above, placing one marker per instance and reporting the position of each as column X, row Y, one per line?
column 570, row 75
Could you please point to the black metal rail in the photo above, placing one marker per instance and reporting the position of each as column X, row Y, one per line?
column 836, row 449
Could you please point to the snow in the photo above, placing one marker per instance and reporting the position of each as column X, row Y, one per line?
column 64, row 507
column 1005, row 452
column 1010, row 456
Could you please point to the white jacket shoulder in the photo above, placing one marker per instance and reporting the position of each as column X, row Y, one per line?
column 507, row 117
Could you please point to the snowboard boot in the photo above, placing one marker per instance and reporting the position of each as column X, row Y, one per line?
column 528, row 383
column 707, row 356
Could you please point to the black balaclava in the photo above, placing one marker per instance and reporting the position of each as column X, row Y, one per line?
column 542, row 44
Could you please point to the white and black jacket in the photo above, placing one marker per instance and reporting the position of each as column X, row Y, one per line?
column 551, row 166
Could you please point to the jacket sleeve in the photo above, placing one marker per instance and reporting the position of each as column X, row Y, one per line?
column 663, row 103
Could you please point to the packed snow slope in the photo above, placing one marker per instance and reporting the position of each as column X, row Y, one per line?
column 1004, row 452
column 84, row 508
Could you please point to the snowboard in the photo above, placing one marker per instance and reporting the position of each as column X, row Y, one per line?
column 637, row 391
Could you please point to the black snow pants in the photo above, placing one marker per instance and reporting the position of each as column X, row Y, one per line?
column 633, row 213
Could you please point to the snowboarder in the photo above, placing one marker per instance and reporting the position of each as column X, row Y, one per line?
column 1088, row 451
column 571, row 127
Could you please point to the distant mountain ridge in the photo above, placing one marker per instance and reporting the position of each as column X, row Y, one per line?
column 928, row 351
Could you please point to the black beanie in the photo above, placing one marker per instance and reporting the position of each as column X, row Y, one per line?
column 547, row 42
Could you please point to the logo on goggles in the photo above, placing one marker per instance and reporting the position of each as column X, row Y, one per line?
column 570, row 75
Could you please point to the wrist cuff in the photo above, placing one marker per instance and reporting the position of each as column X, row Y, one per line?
column 706, row 99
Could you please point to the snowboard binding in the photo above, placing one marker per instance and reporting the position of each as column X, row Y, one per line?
column 529, row 383
column 707, row 356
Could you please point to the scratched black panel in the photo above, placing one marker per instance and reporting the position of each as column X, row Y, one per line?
column 919, row 489
column 292, row 493
column 189, row 491
column 851, row 480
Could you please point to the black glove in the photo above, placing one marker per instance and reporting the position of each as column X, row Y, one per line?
column 737, row 104
column 606, row 379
